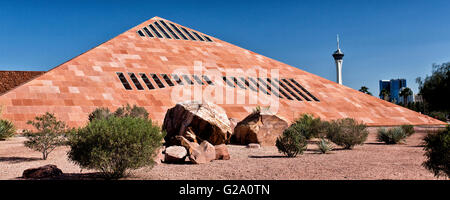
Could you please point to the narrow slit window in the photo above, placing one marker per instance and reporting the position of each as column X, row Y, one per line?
column 269, row 88
column 135, row 81
column 199, row 81
column 148, row 32
column 157, row 81
column 140, row 33
column 169, row 29
column 189, row 34
column 228, row 82
column 258, row 86
column 279, row 89
column 287, row 89
column 178, row 31
column 198, row 36
column 147, row 81
column 124, row 81
column 238, row 83
column 187, row 79
column 162, row 30
column 248, row 84
column 155, row 31
column 298, row 91
column 177, row 79
column 206, row 78
column 306, row 91
column 207, row 38
column 167, row 79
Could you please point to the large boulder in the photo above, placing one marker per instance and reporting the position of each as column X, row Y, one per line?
column 47, row 171
column 175, row 154
column 198, row 153
column 260, row 127
column 197, row 121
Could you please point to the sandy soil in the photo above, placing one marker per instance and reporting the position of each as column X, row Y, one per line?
column 372, row 161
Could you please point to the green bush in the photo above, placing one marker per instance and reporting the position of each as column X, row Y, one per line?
column 346, row 132
column 391, row 136
column 115, row 144
column 439, row 115
column 437, row 151
column 7, row 129
column 291, row 142
column 100, row 113
column 308, row 126
column 128, row 111
column 408, row 129
column 325, row 146
column 49, row 135
column 124, row 111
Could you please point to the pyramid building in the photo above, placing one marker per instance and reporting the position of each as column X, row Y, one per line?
column 160, row 63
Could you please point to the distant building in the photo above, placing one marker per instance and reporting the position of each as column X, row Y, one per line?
column 418, row 98
column 394, row 86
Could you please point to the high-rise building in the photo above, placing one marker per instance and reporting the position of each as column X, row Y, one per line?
column 394, row 87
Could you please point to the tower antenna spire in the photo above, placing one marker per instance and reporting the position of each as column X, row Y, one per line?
column 337, row 38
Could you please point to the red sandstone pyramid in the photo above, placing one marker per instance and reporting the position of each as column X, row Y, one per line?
column 142, row 66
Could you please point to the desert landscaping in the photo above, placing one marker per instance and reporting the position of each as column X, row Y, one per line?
column 373, row 160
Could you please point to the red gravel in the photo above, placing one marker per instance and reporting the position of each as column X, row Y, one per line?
column 373, row 160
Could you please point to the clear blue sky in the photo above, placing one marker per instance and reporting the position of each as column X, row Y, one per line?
column 381, row 39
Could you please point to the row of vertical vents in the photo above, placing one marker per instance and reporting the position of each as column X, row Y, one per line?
column 169, row 32
column 265, row 85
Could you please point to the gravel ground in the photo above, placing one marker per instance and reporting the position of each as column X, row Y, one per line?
column 371, row 161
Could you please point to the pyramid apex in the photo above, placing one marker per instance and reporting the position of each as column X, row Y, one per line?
column 157, row 18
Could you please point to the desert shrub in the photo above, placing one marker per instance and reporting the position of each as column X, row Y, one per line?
column 308, row 126
column 100, row 113
column 7, row 129
column 115, row 144
column 391, row 136
column 291, row 142
column 439, row 115
column 50, row 133
column 128, row 111
column 408, row 129
column 325, row 146
column 437, row 151
column 346, row 132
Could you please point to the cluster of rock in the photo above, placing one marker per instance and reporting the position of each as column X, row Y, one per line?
column 198, row 132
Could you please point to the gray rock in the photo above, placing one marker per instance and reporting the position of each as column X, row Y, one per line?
column 175, row 154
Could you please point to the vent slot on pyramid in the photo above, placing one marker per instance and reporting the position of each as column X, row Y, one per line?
column 170, row 30
column 135, row 81
column 263, row 84
column 174, row 30
column 167, row 79
column 177, row 79
column 124, row 81
column 187, row 79
column 155, row 31
column 196, row 78
column 206, row 78
column 248, row 84
column 149, row 34
column 147, row 81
